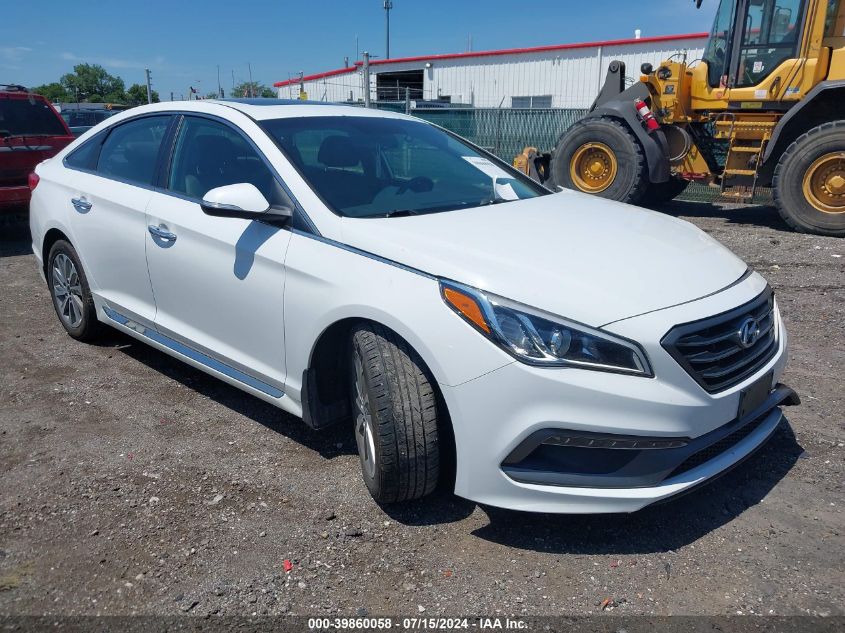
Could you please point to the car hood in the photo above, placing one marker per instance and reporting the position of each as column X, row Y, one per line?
column 578, row 256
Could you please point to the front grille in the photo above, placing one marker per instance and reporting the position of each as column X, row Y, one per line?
column 710, row 350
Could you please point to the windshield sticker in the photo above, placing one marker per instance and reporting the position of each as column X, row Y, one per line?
column 486, row 166
column 501, row 180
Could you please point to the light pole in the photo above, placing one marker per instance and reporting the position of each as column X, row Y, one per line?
column 149, row 86
column 388, row 5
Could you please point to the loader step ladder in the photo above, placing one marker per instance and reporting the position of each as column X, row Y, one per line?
column 747, row 140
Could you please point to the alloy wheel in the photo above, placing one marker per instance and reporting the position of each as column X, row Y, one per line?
column 67, row 290
column 364, row 432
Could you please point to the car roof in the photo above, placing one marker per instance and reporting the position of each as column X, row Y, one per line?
column 22, row 94
column 263, row 109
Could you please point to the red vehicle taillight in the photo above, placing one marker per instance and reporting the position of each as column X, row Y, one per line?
column 33, row 181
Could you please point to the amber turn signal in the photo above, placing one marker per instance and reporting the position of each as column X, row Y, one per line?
column 467, row 307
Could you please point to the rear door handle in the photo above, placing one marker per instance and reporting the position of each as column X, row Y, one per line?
column 161, row 233
column 81, row 205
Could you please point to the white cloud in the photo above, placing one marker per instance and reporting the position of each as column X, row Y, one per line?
column 13, row 53
column 113, row 62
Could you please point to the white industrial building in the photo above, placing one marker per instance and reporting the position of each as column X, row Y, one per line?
column 558, row 76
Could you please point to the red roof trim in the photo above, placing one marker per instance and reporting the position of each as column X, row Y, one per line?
column 330, row 73
column 505, row 51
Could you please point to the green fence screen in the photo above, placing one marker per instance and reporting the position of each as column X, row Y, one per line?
column 506, row 131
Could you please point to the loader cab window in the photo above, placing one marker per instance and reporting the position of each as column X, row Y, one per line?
column 834, row 25
column 771, row 34
column 717, row 53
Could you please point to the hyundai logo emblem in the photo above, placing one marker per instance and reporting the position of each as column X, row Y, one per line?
column 748, row 332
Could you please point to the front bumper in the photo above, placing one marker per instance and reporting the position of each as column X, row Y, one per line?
column 579, row 459
column 500, row 416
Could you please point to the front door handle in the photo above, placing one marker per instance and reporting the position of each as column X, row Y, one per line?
column 161, row 233
column 81, row 204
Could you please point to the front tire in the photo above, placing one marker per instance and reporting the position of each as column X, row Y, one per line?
column 395, row 416
column 70, row 293
column 600, row 156
column 809, row 181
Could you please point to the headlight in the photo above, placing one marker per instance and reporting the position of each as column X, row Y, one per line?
column 543, row 339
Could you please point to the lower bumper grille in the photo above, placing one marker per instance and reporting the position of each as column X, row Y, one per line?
column 722, row 351
column 714, row 450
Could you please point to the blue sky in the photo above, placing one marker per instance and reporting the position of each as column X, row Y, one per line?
column 183, row 41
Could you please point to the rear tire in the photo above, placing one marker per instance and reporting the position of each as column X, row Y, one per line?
column 395, row 413
column 600, row 156
column 809, row 181
column 659, row 193
column 71, row 294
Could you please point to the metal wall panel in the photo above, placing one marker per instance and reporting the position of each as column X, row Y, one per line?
column 572, row 77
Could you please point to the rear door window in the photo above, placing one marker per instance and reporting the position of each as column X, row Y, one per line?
column 130, row 152
column 85, row 156
column 21, row 115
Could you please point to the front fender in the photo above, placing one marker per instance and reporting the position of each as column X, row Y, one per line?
column 327, row 282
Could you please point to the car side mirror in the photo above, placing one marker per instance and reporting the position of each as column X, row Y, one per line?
column 241, row 200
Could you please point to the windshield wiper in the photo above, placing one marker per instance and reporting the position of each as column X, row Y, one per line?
column 400, row 213
column 489, row 201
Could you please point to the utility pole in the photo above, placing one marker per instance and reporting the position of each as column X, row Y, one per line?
column 219, row 87
column 388, row 5
column 233, row 83
column 251, row 87
column 149, row 86
column 366, row 79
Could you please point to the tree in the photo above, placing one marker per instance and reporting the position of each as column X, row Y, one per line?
column 252, row 89
column 90, row 80
column 137, row 94
column 54, row 92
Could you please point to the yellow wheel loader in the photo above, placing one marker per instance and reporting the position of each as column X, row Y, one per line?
column 765, row 106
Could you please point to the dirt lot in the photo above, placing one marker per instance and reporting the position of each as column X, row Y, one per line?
column 134, row 484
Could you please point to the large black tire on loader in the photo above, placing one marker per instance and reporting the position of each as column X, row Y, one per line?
column 809, row 182
column 659, row 193
column 601, row 156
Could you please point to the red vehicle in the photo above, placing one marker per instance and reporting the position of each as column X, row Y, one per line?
column 30, row 131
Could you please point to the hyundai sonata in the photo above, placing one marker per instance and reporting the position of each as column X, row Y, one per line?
column 532, row 350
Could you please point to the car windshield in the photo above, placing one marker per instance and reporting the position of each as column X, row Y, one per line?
column 365, row 167
column 28, row 117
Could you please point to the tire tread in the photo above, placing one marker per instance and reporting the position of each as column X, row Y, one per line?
column 406, row 412
column 785, row 180
column 640, row 176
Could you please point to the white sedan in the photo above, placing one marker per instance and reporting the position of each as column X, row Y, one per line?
column 532, row 350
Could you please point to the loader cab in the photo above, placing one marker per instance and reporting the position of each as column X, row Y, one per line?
column 751, row 40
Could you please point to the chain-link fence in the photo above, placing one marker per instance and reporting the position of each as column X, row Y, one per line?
column 504, row 131
column 507, row 131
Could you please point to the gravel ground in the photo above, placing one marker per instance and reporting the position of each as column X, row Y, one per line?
column 132, row 483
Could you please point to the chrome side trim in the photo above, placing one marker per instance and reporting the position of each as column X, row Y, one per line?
column 358, row 251
column 193, row 354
